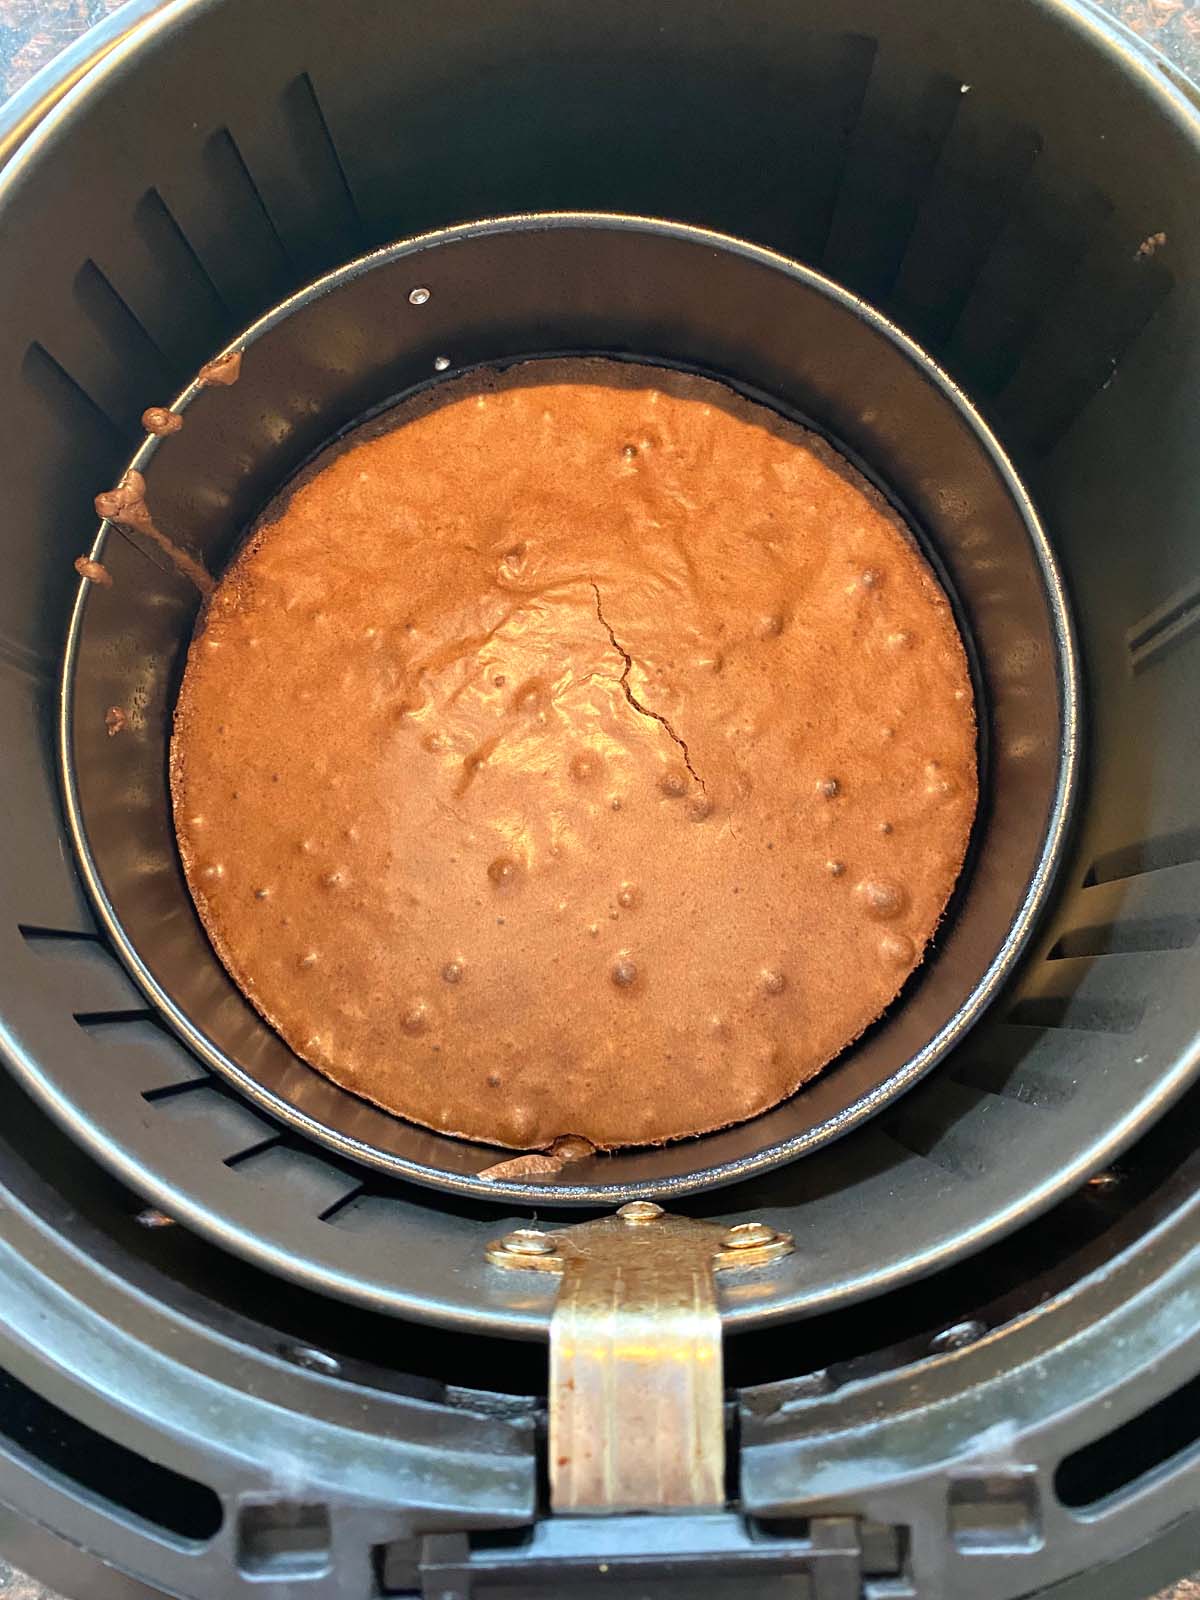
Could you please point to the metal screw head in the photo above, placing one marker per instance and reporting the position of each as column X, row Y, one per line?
column 640, row 1211
column 1103, row 1182
column 748, row 1236
column 418, row 297
column 153, row 1218
column 312, row 1360
column 528, row 1242
column 958, row 1336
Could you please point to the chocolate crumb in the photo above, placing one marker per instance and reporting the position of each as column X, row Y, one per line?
column 542, row 1163
column 93, row 571
column 572, row 1147
column 115, row 720
column 530, row 1166
column 157, row 419
column 221, row 371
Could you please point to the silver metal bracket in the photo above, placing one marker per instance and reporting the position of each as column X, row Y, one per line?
column 636, row 1391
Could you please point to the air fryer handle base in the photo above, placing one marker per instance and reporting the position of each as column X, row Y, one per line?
column 702, row 1554
column 636, row 1390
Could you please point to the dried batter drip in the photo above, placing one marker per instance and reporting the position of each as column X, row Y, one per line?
column 581, row 750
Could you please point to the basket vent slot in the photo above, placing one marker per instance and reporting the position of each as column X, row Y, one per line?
column 1088, row 1013
column 311, row 1183
column 90, row 1021
column 311, row 127
column 114, row 358
column 955, row 1124
column 73, row 408
column 841, row 69
column 224, row 223
column 1012, row 1062
column 1036, row 255
column 1082, row 341
column 1167, row 627
column 1146, row 855
column 983, row 167
column 69, row 448
column 252, row 1151
column 168, row 1091
column 211, row 1117
column 1117, row 1462
column 289, row 158
column 17, row 658
column 1123, row 938
column 893, row 154
column 39, row 1430
column 177, row 302
column 35, row 935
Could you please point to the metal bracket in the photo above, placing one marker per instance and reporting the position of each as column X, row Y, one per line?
column 636, row 1389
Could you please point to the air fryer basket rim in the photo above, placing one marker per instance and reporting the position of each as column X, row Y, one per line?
column 769, row 1155
column 199, row 1194
column 35, row 113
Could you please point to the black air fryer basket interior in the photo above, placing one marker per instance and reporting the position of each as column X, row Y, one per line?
column 496, row 293
column 1041, row 245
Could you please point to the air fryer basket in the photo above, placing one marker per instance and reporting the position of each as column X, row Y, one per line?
column 495, row 293
column 1009, row 187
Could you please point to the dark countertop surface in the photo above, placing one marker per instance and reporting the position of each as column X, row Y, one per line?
column 32, row 32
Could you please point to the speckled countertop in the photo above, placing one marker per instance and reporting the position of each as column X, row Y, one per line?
column 1172, row 26
column 32, row 32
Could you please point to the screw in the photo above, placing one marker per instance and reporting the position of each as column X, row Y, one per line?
column 957, row 1337
column 640, row 1211
column 1102, row 1182
column 528, row 1242
column 749, row 1235
column 304, row 1355
column 418, row 297
column 153, row 1218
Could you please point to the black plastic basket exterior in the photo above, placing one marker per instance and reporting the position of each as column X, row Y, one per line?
column 1016, row 187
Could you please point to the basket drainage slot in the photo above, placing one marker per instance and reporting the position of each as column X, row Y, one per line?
column 1118, row 1461
column 37, row 1429
column 1146, row 855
